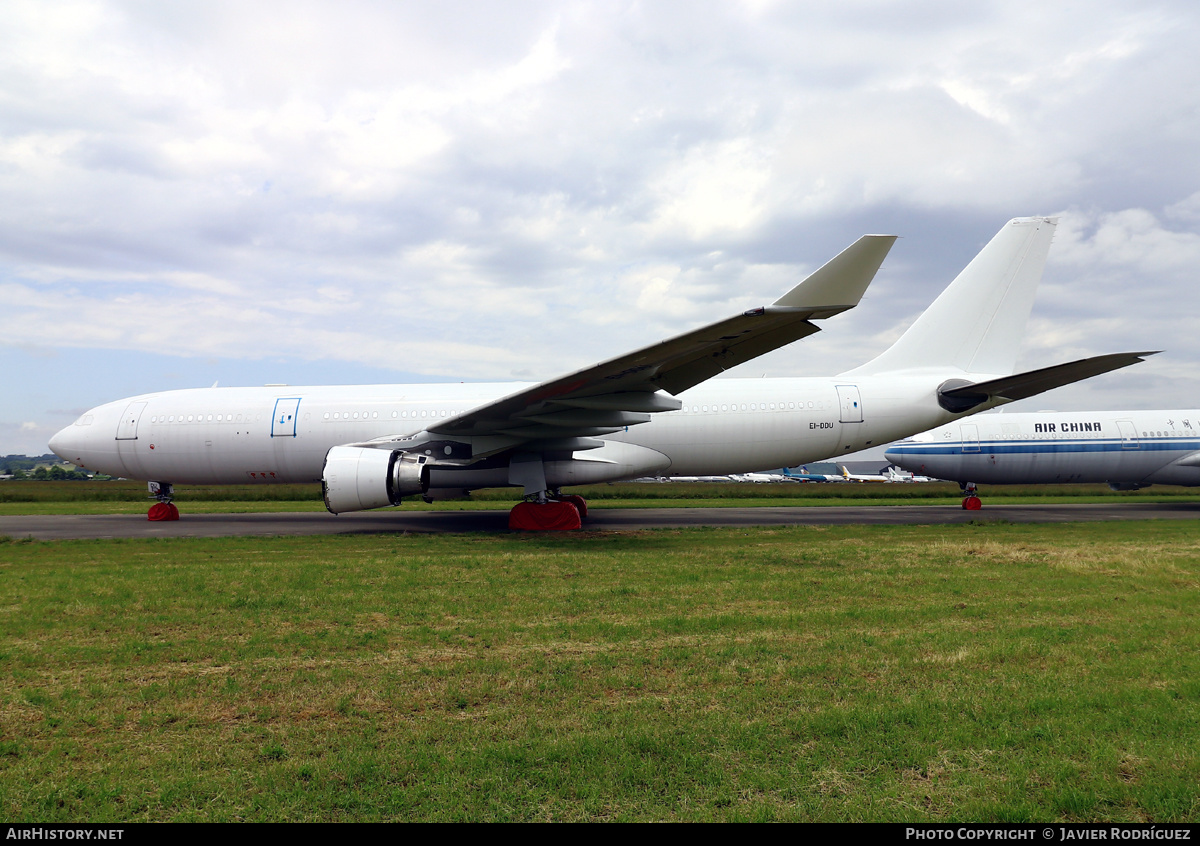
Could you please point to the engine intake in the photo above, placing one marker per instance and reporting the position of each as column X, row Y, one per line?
column 355, row 479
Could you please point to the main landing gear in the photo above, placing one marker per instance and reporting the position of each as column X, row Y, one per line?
column 548, row 511
column 164, row 509
column 971, row 500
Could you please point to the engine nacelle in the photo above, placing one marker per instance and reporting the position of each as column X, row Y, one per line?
column 355, row 479
column 1127, row 486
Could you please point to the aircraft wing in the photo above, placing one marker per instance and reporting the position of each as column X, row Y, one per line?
column 1022, row 385
column 626, row 390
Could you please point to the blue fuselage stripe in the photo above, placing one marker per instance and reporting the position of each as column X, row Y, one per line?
column 1043, row 447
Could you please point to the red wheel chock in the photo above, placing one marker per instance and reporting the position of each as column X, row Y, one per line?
column 972, row 503
column 579, row 502
column 544, row 517
column 162, row 511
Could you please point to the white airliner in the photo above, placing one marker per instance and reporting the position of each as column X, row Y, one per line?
column 1126, row 449
column 805, row 476
column 762, row 478
column 649, row 412
column 863, row 477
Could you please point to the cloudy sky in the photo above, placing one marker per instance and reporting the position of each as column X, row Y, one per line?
column 200, row 192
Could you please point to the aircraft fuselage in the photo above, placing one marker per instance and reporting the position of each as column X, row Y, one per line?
column 282, row 434
column 1122, row 448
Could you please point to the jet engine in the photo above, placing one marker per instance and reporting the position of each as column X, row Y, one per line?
column 355, row 479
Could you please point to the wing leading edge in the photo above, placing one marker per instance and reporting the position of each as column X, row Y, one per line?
column 626, row 390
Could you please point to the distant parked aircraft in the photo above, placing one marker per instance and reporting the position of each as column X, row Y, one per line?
column 761, row 478
column 803, row 475
column 863, row 477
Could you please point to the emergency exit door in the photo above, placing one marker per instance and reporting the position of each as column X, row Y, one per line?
column 283, row 423
column 127, row 428
column 851, row 403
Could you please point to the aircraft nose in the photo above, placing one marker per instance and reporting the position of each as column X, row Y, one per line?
column 60, row 442
column 71, row 442
column 89, row 443
column 901, row 457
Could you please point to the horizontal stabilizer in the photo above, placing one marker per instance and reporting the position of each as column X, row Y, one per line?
column 957, row 397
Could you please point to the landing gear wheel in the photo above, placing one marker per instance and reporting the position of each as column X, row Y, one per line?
column 579, row 502
column 972, row 503
column 162, row 511
column 549, row 516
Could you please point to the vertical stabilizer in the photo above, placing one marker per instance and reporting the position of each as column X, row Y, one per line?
column 977, row 323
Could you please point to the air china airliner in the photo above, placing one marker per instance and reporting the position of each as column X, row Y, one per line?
column 1126, row 449
column 649, row 412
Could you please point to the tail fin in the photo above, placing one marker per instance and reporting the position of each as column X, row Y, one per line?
column 977, row 323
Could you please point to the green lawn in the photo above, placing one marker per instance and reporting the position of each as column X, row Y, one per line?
column 971, row 672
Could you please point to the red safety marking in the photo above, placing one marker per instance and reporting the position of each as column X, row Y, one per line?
column 579, row 502
column 162, row 511
column 544, row 517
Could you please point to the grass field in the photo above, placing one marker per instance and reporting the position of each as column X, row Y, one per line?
column 973, row 672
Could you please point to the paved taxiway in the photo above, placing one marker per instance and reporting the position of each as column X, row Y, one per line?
column 77, row 526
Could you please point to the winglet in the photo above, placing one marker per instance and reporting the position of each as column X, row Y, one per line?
column 840, row 283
